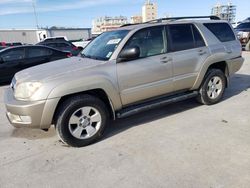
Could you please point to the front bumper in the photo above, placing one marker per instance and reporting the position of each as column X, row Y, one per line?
column 37, row 114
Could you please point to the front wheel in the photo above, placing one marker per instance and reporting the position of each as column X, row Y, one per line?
column 213, row 87
column 81, row 120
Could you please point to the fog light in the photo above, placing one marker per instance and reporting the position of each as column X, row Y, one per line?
column 19, row 119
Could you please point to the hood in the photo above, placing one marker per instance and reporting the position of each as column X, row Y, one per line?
column 55, row 69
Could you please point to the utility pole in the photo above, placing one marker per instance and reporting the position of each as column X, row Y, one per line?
column 35, row 14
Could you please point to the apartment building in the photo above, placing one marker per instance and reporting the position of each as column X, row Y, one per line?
column 149, row 11
column 107, row 23
column 225, row 12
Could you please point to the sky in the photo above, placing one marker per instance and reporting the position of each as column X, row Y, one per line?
column 80, row 13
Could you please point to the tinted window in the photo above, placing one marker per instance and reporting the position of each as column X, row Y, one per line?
column 243, row 26
column 14, row 54
column 199, row 42
column 63, row 45
column 52, row 45
column 150, row 41
column 39, row 52
column 181, row 37
column 222, row 31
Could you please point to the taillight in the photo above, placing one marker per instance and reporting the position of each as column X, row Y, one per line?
column 3, row 44
column 75, row 48
column 69, row 54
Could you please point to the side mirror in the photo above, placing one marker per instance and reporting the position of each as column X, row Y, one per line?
column 129, row 54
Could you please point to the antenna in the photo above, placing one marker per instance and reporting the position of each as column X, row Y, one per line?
column 35, row 14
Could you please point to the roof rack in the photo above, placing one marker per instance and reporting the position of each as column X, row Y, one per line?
column 176, row 18
column 181, row 18
column 129, row 24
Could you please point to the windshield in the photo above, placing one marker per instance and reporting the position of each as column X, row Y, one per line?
column 104, row 45
column 243, row 26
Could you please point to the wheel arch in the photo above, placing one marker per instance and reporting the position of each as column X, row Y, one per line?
column 221, row 65
column 98, row 92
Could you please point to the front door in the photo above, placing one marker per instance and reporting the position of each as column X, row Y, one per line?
column 151, row 74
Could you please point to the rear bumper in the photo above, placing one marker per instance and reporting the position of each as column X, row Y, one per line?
column 234, row 65
column 37, row 114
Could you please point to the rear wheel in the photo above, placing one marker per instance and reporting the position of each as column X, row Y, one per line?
column 213, row 87
column 81, row 120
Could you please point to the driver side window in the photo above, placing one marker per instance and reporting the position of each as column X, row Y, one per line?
column 150, row 41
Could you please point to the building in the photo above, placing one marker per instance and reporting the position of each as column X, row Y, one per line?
column 107, row 23
column 136, row 19
column 33, row 36
column 149, row 11
column 225, row 12
column 70, row 33
column 26, row 36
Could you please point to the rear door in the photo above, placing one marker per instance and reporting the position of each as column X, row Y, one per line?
column 37, row 56
column 188, row 51
column 11, row 63
column 151, row 74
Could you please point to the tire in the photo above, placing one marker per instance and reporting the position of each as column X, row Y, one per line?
column 212, row 88
column 247, row 48
column 81, row 120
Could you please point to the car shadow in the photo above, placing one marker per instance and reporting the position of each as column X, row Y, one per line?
column 238, row 83
column 32, row 134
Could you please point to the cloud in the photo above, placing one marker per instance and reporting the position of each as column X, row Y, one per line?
column 14, row 1
column 52, row 6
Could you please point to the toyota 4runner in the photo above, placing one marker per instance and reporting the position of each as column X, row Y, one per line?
column 123, row 72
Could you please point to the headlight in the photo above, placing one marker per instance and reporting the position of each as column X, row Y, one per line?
column 26, row 90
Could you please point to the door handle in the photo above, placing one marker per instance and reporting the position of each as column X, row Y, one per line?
column 229, row 51
column 166, row 59
column 202, row 52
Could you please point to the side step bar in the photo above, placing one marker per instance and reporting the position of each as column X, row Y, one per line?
column 155, row 103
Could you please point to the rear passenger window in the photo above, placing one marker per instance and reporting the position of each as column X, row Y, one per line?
column 39, row 52
column 199, row 42
column 52, row 45
column 222, row 31
column 62, row 45
column 180, row 37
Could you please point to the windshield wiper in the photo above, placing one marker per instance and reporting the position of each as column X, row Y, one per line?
column 92, row 57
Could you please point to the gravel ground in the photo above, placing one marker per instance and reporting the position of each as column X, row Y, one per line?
column 181, row 145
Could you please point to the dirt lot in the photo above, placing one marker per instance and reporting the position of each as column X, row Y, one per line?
column 180, row 145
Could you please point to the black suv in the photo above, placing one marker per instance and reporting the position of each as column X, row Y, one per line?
column 243, row 33
column 62, row 44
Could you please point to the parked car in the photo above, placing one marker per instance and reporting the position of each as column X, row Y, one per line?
column 16, row 59
column 123, row 72
column 243, row 33
column 14, row 44
column 62, row 45
column 55, row 39
column 83, row 43
column 2, row 45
